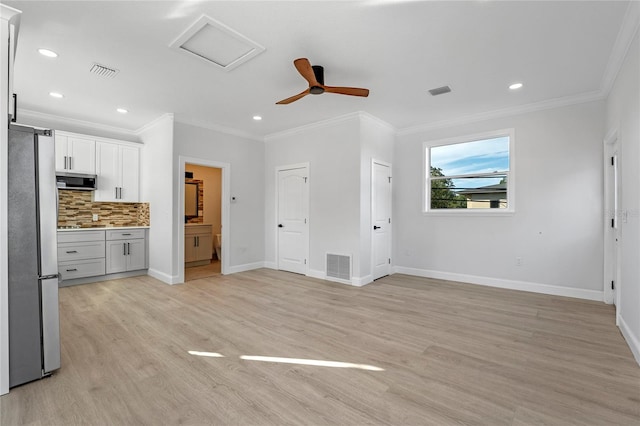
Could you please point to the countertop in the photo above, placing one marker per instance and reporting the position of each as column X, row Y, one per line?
column 100, row 228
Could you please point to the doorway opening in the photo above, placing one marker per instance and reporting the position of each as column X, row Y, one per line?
column 203, row 221
column 204, row 207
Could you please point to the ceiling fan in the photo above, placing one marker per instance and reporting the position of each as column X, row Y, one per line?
column 315, row 76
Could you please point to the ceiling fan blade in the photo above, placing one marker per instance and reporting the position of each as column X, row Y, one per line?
column 293, row 98
column 353, row 91
column 304, row 68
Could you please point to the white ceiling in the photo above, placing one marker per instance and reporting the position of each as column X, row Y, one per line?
column 397, row 49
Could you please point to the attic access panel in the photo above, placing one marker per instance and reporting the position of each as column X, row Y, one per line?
column 217, row 44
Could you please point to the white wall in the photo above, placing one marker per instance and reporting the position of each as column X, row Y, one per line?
column 556, row 229
column 246, row 158
column 157, row 188
column 623, row 115
column 333, row 152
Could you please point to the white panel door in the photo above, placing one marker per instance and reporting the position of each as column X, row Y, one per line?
column 381, row 211
column 293, row 229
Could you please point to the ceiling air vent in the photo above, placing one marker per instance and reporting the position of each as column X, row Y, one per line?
column 216, row 44
column 103, row 71
column 440, row 90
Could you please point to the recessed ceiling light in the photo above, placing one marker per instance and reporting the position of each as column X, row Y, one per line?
column 257, row 117
column 122, row 110
column 48, row 53
column 515, row 86
column 56, row 95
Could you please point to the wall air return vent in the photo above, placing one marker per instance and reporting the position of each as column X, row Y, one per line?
column 338, row 267
column 103, row 71
column 216, row 44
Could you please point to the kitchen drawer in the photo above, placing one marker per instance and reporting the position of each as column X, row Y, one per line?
column 78, row 251
column 81, row 268
column 125, row 234
column 78, row 236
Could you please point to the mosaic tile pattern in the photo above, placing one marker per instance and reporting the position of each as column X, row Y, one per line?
column 76, row 209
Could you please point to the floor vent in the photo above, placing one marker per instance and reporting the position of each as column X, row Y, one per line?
column 339, row 266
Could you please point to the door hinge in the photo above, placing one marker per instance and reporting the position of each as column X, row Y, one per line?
column 389, row 220
column 305, row 179
column 389, row 179
column 613, row 161
column 305, row 261
column 613, row 223
column 389, row 261
column 613, row 285
column 305, row 220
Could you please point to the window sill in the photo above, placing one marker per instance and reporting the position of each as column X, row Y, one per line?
column 469, row 213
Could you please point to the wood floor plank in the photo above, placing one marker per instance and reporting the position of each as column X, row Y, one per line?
column 448, row 353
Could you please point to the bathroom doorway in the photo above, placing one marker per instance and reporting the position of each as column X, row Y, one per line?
column 203, row 198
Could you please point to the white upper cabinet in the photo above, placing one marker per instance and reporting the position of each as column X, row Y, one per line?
column 75, row 155
column 118, row 170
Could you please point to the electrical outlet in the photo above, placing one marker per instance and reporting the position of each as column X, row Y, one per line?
column 518, row 261
column 95, row 217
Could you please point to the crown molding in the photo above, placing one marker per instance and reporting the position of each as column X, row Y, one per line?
column 26, row 114
column 628, row 30
column 219, row 128
column 318, row 125
column 505, row 112
column 153, row 122
column 381, row 122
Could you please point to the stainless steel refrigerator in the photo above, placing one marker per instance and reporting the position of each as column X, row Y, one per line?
column 34, row 333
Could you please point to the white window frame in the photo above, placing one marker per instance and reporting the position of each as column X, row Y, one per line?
column 426, row 187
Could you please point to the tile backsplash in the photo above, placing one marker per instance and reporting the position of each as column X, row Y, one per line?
column 76, row 208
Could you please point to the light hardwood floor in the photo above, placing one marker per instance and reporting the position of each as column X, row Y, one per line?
column 205, row 271
column 451, row 353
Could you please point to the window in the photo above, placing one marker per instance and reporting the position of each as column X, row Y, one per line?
column 471, row 173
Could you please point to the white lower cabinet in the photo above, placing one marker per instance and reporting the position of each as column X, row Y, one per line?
column 198, row 244
column 126, row 251
column 80, row 254
column 86, row 256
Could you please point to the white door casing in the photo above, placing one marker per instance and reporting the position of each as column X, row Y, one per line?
column 292, row 219
column 613, row 218
column 381, row 219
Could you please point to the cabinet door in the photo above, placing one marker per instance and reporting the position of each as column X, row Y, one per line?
column 205, row 247
column 130, row 174
column 61, row 153
column 136, row 255
column 83, row 155
column 116, row 256
column 190, row 248
column 107, row 164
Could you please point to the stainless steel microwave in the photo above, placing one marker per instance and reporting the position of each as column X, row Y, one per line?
column 76, row 181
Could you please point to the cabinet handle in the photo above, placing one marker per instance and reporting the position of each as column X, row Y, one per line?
column 124, row 249
column 125, row 234
column 70, row 163
column 65, row 162
column 129, row 249
column 72, row 270
column 72, row 251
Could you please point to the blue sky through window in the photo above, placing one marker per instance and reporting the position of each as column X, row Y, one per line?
column 470, row 158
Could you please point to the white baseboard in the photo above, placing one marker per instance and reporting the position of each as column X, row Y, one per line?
column 243, row 268
column 165, row 278
column 356, row 282
column 631, row 338
column 502, row 283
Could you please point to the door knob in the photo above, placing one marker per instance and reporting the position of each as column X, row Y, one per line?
column 280, row 225
column 376, row 227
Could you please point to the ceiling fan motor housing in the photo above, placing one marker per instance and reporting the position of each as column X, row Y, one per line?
column 318, row 71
